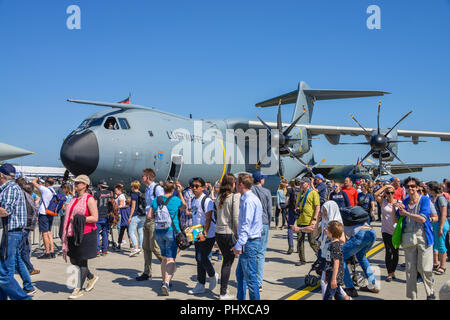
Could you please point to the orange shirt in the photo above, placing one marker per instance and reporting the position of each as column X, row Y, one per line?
column 352, row 195
column 399, row 194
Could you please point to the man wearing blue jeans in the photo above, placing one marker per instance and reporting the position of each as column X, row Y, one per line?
column 362, row 238
column 265, row 196
column 13, row 213
column 249, row 239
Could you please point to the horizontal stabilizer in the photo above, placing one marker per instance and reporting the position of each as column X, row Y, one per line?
column 318, row 94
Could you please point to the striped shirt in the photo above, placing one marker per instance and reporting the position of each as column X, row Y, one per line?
column 13, row 201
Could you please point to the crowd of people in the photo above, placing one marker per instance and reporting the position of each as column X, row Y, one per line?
column 234, row 215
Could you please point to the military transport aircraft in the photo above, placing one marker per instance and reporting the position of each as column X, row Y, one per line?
column 117, row 144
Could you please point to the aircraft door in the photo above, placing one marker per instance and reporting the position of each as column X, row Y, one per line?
column 175, row 167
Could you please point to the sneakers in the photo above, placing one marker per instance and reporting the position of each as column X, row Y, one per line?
column 165, row 289
column 367, row 289
column 213, row 281
column 351, row 292
column 99, row 253
column 52, row 255
column 143, row 277
column 260, row 288
column 226, row 296
column 77, row 293
column 30, row 292
column 135, row 252
column 32, row 273
column 199, row 288
column 290, row 250
column 45, row 256
column 104, row 253
column 300, row 263
column 91, row 283
column 431, row 297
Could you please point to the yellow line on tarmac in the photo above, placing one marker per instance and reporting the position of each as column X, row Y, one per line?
column 309, row 289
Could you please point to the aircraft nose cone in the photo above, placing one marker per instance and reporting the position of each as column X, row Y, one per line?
column 80, row 154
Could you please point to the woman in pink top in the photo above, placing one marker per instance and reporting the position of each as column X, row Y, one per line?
column 81, row 245
column 385, row 197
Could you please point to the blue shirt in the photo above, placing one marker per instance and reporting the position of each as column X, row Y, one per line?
column 13, row 201
column 364, row 200
column 149, row 194
column 173, row 205
column 281, row 197
column 250, row 219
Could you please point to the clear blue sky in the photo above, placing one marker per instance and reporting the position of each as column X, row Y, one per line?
column 218, row 58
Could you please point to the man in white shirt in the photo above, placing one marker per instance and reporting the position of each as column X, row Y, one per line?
column 45, row 220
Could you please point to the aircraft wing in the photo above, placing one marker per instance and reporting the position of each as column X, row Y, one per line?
column 400, row 168
column 332, row 133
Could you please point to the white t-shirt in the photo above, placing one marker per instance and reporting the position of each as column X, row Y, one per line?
column 46, row 196
column 198, row 215
column 120, row 198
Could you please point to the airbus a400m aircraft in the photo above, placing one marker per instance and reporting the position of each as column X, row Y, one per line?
column 116, row 145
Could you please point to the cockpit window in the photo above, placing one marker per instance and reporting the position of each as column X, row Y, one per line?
column 111, row 124
column 92, row 122
column 124, row 123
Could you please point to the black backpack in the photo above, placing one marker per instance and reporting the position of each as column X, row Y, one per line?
column 140, row 205
column 32, row 211
column 352, row 216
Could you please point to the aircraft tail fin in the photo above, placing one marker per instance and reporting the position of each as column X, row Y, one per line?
column 304, row 98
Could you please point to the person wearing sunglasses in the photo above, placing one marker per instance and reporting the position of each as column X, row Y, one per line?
column 202, row 210
column 385, row 198
column 417, row 238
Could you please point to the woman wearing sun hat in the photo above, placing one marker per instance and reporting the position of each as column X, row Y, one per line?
column 80, row 234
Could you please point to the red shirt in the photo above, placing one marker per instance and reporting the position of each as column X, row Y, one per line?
column 352, row 195
column 399, row 194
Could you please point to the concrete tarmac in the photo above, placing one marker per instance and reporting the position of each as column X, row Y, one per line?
column 282, row 279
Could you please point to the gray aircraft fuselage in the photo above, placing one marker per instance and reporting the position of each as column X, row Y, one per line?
column 142, row 139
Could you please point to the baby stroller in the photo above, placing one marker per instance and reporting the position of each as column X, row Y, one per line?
column 318, row 267
column 357, row 278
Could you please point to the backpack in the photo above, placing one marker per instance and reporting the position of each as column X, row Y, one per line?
column 32, row 211
column 55, row 204
column 163, row 220
column 353, row 216
column 140, row 205
column 214, row 215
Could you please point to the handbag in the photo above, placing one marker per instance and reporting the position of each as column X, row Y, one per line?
column 181, row 239
column 397, row 235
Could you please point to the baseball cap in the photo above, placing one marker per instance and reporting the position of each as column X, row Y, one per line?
column 83, row 179
column 305, row 179
column 320, row 176
column 257, row 176
column 103, row 184
column 8, row 170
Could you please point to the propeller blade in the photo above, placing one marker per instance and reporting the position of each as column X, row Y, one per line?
column 264, row 124
column 354, row 119
column 403, row 118
column 262, row 159
column 280, row 167
column 279, row 123
column 399, row 141
column 378, row 117
column 366, row 143
column 396, row 157
column 286, row 132
column 367, row 155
